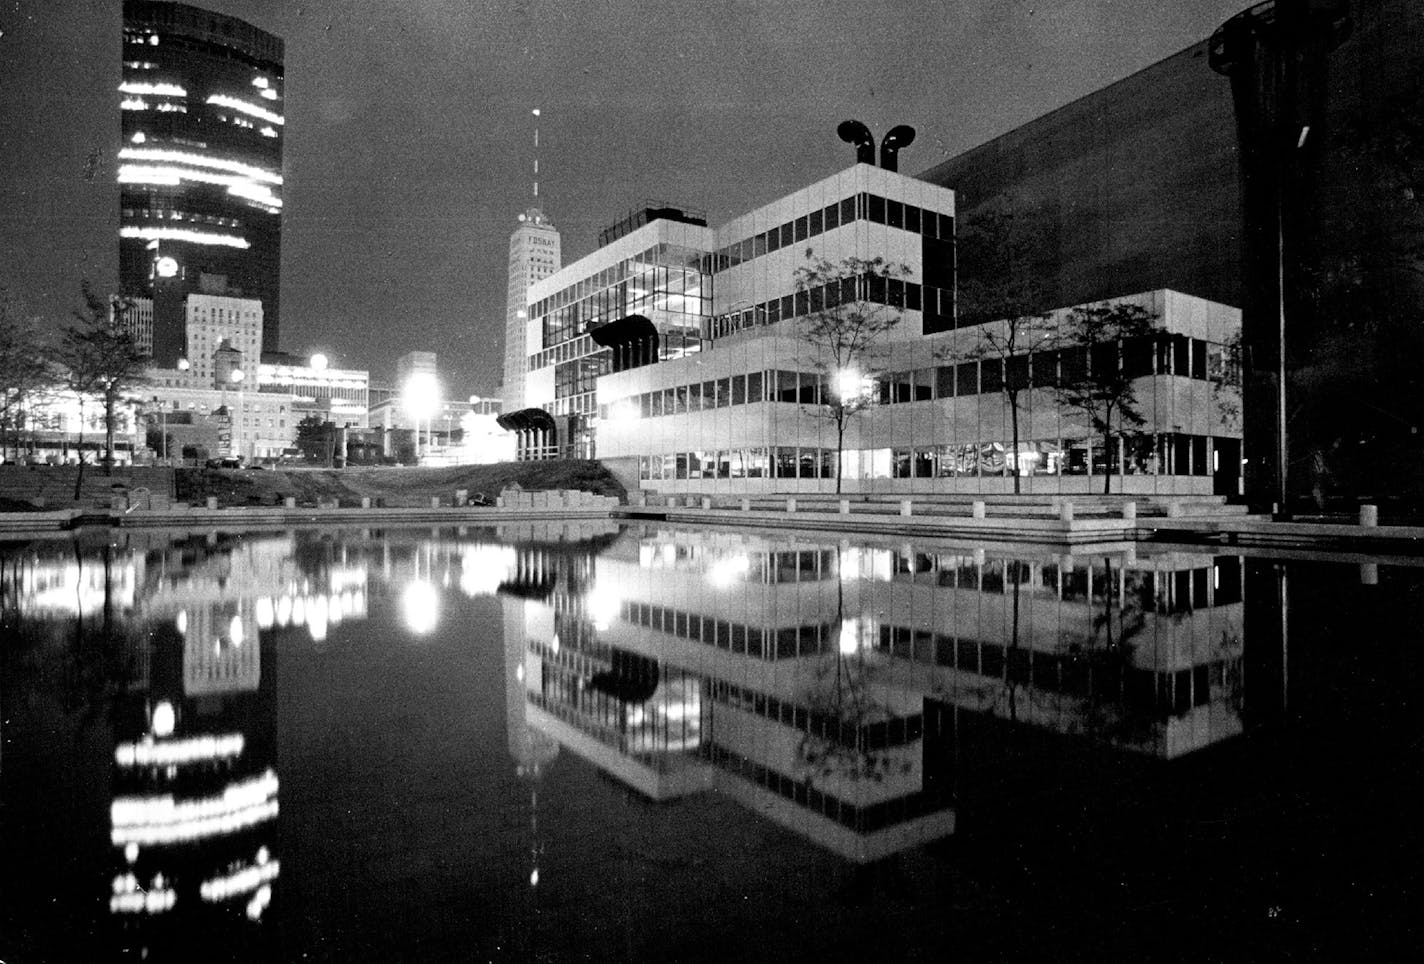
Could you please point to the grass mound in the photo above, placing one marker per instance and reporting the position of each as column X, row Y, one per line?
column 394, row 485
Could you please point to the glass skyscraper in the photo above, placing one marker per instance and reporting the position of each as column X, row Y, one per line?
column 200, row 165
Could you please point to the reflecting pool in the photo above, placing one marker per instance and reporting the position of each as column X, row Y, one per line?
column 655, row 743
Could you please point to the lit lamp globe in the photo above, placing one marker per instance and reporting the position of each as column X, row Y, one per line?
column 318, row 362
column 236, row 375
column 421, row 396
column 848, row 383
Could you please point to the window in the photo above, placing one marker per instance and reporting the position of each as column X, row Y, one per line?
column 876, row 208
column 895, row 214
column 739, row 389
column 754, row 381
column 1198, row 359
column 912, row 218
column 966, row 376
column 773, row 239
column 816, row 220
column 787, row 235
column 801, row 228
column 848, row 210
column 991, row 375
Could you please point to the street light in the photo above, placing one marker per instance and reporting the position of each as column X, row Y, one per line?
column 421, row 400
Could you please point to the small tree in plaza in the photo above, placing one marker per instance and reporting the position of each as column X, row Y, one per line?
column 24, row 370
column 850, row 312
column 1102, row 391
column 98, row 356
column 1002, row 294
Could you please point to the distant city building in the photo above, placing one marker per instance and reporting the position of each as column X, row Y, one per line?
column 200, row 164
column 415, row 363
column 336, row 395
column 137, row 318
column 534, row 254
column 213, row 320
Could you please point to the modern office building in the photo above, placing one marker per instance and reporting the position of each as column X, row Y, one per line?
column 200, row 164
column 681, row 348
column 534, row 254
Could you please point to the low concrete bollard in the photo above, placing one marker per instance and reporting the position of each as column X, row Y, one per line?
column 845, row 506
column 435, row 502
column 462, row 496
column 499, row 502
column 977, row 509
column 1129, row 511
column 1065, row 511
column 290, row 502
column 706, row 502
column 746, row 505
column 790, row 505
column 906, row 507
column 212, row 502
column 1174, row 509
column 1369, row 574
column 365, row 502
column 1369, row 515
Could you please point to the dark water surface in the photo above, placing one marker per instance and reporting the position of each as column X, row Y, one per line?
column 667, row 744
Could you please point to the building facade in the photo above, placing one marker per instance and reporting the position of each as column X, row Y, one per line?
column 214, row 320
column 534, row 254
column 200, row 164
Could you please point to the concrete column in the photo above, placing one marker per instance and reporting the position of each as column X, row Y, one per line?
column 290, row 502
column 978, row 509
column 906, row 507
column 1065, row 511
column 365, row 502
column 435, row 502
column 845, row 506
column 1129, row 511
column 790, row 505
column 1369, row 515
column 212, row 502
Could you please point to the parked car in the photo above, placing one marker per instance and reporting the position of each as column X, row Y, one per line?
column 226, row 462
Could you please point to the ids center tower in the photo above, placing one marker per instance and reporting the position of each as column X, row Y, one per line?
column 676, row 354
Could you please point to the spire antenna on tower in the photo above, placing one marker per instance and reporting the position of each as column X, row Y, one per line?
column 535, row 112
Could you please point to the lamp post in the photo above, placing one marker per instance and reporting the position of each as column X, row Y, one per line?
column 236, row 376
column 422, row 399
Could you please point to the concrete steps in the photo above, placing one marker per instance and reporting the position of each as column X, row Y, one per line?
column 52, row 487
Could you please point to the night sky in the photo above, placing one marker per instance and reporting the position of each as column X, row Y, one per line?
column 408, row 131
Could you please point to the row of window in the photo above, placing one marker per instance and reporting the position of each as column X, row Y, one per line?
column 646, row 289
column 664, row 255
column 1135, row 358
column 1158, row 694
column 742, row 639
column 872, row 288
column 860, row 207
column 1167, row 453
column 865, row 819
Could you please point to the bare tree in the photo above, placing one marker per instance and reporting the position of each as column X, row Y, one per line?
column 1102, row 391
column 851, row 311
column 100, row 357
column 1001, row 293
column 24, row 370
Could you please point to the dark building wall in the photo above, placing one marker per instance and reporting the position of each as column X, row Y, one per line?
column 205, row 55
column 1137, row 182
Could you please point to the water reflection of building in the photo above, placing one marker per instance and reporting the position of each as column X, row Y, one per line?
column 824, row 685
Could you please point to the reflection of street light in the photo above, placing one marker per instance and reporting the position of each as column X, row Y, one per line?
column 420, row 607
column 421, row 400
